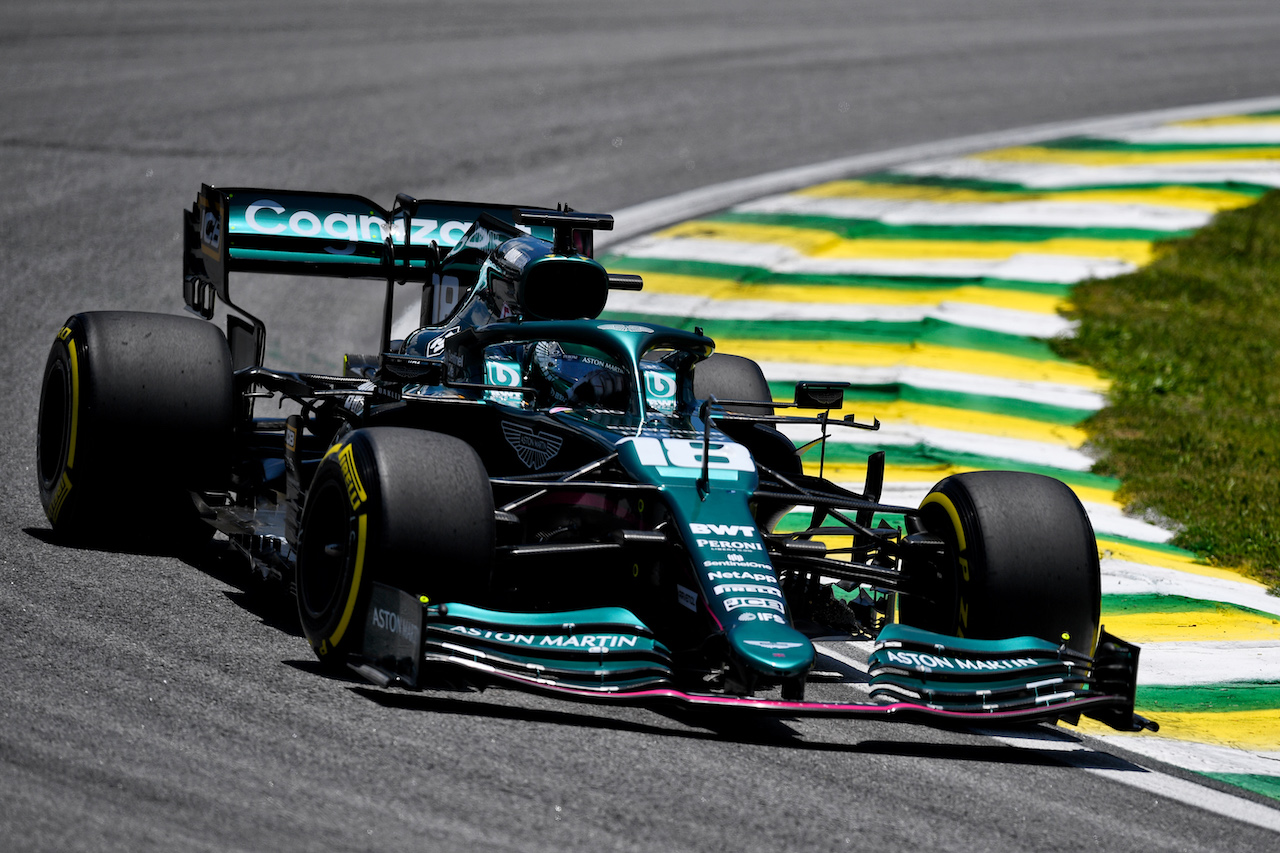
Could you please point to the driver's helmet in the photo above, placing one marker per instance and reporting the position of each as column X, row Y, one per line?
column 577, row 375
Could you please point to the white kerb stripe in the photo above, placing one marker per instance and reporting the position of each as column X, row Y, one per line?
column 1121, row 577
column 1024, row 266
column 1244, row 133
column 1046, row 174
column 1046, row 393
column 1183, row 664
column 1197, row 757
column 999, row 447
column 1008, row 321
column 1021, row 213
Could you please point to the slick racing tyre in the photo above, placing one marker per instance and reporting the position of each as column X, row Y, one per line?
column 1026, row 561
column 403, row 507
column 136, row 411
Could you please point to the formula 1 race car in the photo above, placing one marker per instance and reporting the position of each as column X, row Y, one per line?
column 518, row 493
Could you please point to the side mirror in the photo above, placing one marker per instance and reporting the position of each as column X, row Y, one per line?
column 820, row 395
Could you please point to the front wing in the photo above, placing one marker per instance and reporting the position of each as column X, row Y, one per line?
column 607, row 656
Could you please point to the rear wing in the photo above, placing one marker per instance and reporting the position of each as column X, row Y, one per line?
column 320, row 234
column 244, row 229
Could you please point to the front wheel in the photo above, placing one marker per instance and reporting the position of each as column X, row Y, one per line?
column 1024, row 561
column 403, row 507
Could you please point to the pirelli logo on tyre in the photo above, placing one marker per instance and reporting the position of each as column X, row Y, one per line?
column 355, row 489
column 59, row 498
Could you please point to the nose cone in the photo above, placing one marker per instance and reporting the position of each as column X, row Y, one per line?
column 772, row 648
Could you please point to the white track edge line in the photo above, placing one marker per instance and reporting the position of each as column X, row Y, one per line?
column 647, row 216
column 1161, row 784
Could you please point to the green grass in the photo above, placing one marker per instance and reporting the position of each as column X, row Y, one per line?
column 1190, row 344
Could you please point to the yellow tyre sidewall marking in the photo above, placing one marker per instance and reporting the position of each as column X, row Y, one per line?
column 75, row 401
column 962, row 547
column 64, row 483
column 362, row 526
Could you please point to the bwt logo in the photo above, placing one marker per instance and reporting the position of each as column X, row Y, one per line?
column 722, row 530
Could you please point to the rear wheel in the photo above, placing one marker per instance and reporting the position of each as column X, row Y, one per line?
column 136, row 411
column 1025, row 561
column 402, row 507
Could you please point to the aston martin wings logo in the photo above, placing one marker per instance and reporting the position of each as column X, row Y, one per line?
column 535, row 449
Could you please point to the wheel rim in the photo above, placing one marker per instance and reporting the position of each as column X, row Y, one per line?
column 322, row 574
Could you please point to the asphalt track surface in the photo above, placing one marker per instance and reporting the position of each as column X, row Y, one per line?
column 154, row 703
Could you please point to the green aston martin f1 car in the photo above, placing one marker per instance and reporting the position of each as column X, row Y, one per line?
column 521, row 494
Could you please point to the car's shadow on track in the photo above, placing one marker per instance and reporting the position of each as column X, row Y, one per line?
column 707, row 727
column 102, row 543
column 268, row 600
